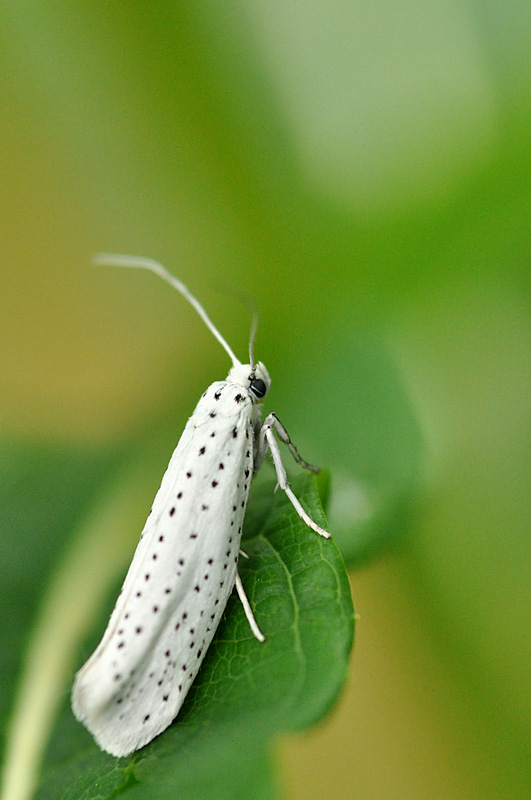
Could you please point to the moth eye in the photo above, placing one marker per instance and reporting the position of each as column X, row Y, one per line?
column 258, row 387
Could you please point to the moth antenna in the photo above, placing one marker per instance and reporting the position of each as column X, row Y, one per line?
column 138, row 262
column 252, row 337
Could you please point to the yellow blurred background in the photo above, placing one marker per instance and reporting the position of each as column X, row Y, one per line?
column 362, row 170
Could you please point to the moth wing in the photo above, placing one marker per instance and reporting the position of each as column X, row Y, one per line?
column 176, row 589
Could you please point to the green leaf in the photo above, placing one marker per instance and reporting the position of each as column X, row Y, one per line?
column 246, row 692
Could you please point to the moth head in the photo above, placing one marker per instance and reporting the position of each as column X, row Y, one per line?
column 260, row 382
column 255, row 379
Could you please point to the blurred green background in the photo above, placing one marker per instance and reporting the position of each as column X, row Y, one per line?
column 362, row 170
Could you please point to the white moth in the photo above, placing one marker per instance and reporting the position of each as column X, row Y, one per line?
column 185, row 564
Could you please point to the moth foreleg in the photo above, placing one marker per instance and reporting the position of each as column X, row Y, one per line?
column 266, row 440
column 272, row 421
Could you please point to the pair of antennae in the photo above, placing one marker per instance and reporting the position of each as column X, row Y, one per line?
column 113, row 260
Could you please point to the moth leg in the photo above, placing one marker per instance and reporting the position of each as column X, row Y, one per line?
column 283, row 435
column 267, row 440
column 272, row 421
column 248, row 610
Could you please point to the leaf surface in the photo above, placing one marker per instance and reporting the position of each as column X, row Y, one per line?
column 246, row 692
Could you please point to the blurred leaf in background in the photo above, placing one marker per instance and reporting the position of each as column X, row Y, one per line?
column 362, row 170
